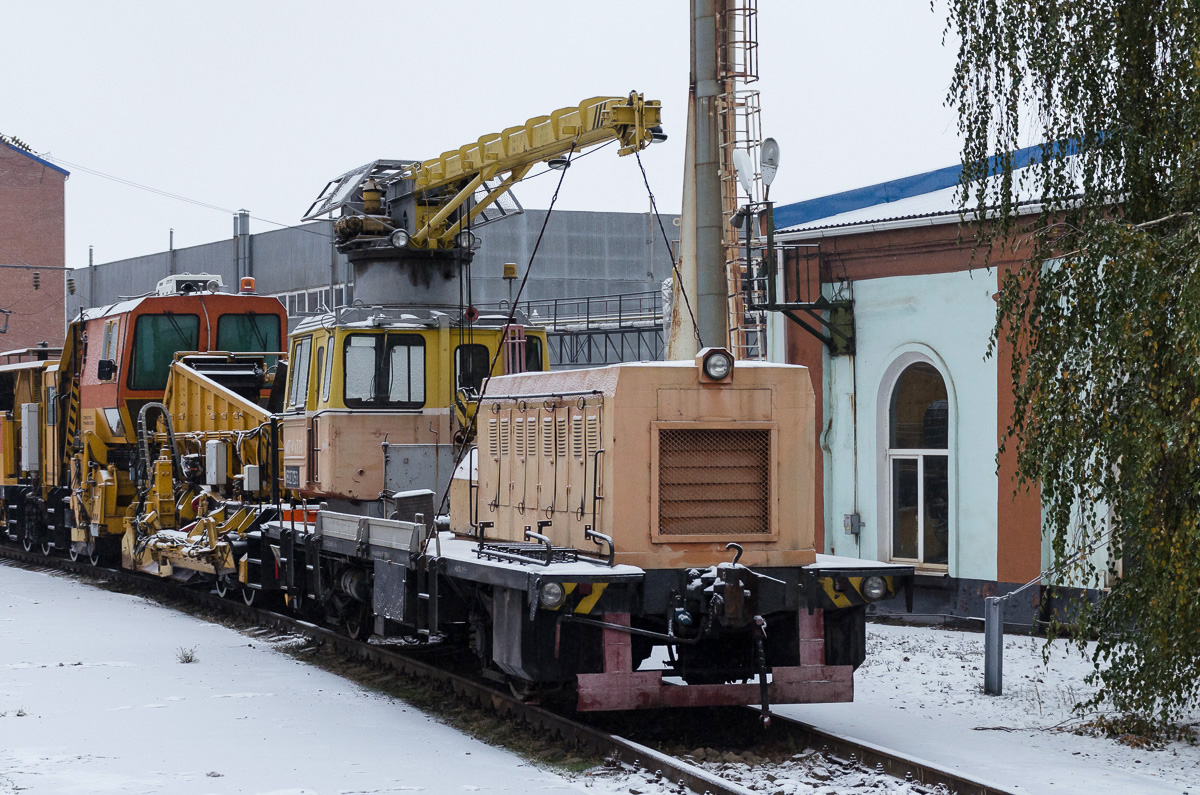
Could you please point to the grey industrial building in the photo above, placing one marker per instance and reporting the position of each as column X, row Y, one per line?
column 596, row 275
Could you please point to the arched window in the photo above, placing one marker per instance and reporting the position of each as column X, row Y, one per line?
column 918, row 462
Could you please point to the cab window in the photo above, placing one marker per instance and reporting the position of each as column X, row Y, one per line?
column 156, row 340
column 108, row 346
column 533, row 355
column 384, row 370
column 328, row 371
column 298, row 392
column 471, row 363
column 320, row 368
column 249, row 332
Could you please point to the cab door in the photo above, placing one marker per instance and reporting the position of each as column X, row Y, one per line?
column 295, row 426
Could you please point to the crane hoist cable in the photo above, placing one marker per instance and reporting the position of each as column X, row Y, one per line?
column 512, row 312
column 667, row 241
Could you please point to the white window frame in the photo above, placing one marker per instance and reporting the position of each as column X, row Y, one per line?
column 918, row 454
column 903, row 358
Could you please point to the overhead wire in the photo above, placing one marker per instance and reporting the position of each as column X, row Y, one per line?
column 209, row 206
column 178, row 197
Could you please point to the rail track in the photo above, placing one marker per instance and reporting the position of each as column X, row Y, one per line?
column 595, row 736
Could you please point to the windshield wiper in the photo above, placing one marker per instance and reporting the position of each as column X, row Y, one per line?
column 179, row 330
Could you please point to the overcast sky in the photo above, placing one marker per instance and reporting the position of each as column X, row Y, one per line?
column 257, row 104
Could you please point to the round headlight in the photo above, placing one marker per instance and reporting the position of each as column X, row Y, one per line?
column 399, row 238
column 718, row 365
column 553, row 595
column 466, row 240
column 874, row 588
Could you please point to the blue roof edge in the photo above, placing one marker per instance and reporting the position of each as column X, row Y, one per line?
column 32, row 156
column 903, row 188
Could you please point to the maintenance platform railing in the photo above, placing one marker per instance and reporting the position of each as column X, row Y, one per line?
column 599, row 329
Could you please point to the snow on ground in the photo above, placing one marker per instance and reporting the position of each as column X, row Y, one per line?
column 93, row 699
column 920, row 692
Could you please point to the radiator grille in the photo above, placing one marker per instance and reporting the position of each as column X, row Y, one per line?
column 714, row 482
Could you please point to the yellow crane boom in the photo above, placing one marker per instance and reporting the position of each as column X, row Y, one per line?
column 510, row 154
column 433, row 200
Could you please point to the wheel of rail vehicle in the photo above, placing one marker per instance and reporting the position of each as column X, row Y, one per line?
column 522, row 690
column 47, row 548
column 26, row 542
column 73, row 552
column 223, row 585
column 249, row 596
column 93, row 552
column 359, row 622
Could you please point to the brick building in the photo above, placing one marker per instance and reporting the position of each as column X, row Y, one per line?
column 912, row 410
column 32, row 249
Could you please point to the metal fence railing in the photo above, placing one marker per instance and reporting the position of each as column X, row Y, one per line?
column 595, row 312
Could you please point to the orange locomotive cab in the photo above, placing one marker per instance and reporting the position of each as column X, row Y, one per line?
column 117, row 362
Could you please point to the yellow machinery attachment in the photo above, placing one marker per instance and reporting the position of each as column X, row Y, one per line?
column 206, row 418
column 509, row 155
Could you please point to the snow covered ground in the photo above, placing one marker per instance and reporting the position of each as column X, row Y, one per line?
column 920, row 692
column 93, row 699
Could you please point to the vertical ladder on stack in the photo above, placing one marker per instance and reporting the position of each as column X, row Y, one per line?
column 741, row 128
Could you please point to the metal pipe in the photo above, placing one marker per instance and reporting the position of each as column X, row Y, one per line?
column 993, row 645
column 712, row 300
column 671, row 640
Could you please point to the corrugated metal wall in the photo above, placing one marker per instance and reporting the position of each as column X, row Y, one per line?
column 582, row 254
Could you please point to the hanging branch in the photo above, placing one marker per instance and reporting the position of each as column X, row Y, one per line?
column 1104, row 331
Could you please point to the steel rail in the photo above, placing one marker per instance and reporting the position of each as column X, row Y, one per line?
column 699, row 780
column 897, row 765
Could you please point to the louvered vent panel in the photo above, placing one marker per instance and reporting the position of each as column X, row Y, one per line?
column 519, row 437
column 560, row 436
column 577, row 436
column 593, row 433
column 714, row 482
column 494, row 438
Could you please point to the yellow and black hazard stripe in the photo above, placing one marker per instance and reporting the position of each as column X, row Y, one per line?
column 587, row 599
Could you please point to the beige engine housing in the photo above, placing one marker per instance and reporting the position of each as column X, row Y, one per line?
column 668, row 466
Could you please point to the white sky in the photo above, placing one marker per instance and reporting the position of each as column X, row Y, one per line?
column 258, row 104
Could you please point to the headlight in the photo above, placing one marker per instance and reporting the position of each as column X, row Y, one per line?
column 553, row 595
column 717, row 365
column 874, row 588
column 399, row 238
column 467, row 240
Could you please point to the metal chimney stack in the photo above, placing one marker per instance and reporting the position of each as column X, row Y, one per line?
column 702, row 253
